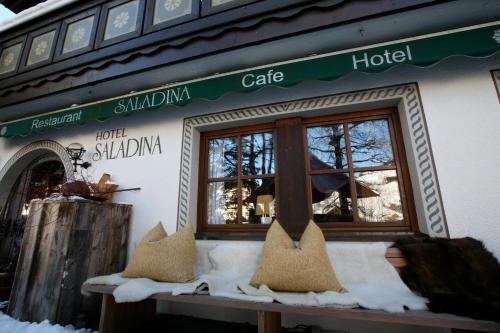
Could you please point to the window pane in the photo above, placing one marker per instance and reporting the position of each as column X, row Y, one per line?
column 258, row 156
column 327, row 148
column 40, row 48
column 331, row 198
column 166, row 10
column 122, row 19
column 371, row 143
column 378, row 196
column 258, row 201
column 222, row 158
column 9, row 58
column 78, row 34
column 222, row 203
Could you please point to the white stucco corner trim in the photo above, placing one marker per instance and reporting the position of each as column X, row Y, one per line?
column 406, row 98
column 496, row 79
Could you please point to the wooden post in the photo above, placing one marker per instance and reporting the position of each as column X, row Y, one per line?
column 125, row 317
column 268, row 322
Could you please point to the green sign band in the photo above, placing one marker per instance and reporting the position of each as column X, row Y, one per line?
column 477, row 41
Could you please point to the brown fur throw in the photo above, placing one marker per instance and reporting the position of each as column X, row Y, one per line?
column 458, row 276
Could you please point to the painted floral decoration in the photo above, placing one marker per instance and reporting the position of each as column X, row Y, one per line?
column 171, row 5
column 8, row 59
column 121, row 20
column 41, row 47
column 77, row 35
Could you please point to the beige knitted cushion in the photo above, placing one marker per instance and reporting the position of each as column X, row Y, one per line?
column 285, row 267
column 164, row 258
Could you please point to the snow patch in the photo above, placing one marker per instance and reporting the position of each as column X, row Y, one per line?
column 10, row 325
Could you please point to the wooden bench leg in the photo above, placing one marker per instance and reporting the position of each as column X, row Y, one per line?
column 268, row 322
column 125, row 317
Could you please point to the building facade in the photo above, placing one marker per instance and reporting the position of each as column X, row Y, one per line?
column 376, row 119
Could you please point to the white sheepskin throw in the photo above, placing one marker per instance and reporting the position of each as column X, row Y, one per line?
column 371, row 281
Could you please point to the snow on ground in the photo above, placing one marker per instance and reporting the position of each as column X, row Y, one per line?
column 10, row 325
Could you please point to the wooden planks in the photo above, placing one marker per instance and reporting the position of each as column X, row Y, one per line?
column 417, row 318
column 66, row 242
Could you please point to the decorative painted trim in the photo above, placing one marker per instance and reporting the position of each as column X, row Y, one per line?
column 496, row 79
column 43, row 147
column 406, row 97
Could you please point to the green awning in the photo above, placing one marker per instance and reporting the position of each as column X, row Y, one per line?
column 477, row 41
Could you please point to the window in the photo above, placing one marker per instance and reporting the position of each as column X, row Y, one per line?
column 120, row 20
column 346, row 172
column 77, row 34
column 9, row 58
column 238, row 186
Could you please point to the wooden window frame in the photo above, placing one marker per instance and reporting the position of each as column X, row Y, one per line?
column 239, row 230
column 20, row 40
column 59, row 55
column 100, row 41
column 27, row 48
column 293, row 198
column 400, row 166
column 149, row 25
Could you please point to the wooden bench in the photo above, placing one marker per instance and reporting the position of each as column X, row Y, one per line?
column 123, row 317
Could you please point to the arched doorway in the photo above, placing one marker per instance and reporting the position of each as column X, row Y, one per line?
column 34, row 172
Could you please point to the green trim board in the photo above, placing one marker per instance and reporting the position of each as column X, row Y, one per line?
column 476, row 41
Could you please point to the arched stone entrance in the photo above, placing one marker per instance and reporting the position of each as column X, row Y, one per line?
column 25, row 157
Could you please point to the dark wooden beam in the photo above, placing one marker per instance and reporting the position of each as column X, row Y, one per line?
column 292, row 196
column 187, row 41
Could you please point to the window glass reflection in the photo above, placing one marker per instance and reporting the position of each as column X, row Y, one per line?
column 371, row 143
column 222, row 158
column 258, row 156
column 258, row 201
column 327, row 148
column 222, row 203
column 378, row 196
column 331, row 198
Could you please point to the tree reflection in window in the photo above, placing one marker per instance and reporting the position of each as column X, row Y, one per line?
column 240, row 184
column 353, row 160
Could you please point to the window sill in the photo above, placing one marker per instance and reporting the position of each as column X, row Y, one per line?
column 350, row 236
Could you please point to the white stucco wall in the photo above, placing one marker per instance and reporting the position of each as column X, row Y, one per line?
column 462, row 111
column 460, row 104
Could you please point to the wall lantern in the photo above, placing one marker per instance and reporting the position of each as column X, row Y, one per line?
column 76, row 151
